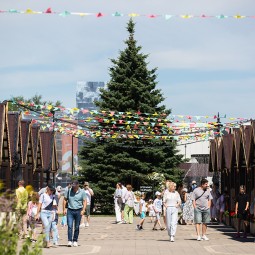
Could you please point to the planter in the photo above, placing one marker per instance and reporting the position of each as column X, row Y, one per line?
column 234, row 223
column 226, row 220
column 252, row 228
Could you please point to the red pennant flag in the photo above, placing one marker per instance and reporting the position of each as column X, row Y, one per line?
column 99, row 15
column 48, row 10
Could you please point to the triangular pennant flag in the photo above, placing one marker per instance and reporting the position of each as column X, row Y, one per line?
column 29, row 11
column 98, row 15
column 221, row 16
column 167, row 17
column 64, row 14
column 48, row 10
column 239, row 16
column 117, row 14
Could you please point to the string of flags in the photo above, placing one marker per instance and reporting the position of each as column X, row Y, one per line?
column 120, row 125
column 120, row 14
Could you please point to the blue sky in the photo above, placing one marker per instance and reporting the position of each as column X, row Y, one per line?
column 204, row 65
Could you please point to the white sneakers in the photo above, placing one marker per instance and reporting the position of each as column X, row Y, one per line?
column 84, row 225
column 172, row 239
column 74, row 244
column 204, row 237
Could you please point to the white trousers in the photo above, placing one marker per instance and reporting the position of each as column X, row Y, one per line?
column 171, row 220
column 117, row 211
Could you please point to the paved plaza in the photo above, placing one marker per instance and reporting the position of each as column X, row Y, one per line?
column 104, row 237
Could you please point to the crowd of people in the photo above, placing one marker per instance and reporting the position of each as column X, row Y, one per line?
column 195, row 205
column 45, row 206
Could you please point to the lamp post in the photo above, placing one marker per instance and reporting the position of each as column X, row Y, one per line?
column 72, row 158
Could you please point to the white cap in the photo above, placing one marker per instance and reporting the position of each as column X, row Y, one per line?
column 158, row 193
column 59, row 188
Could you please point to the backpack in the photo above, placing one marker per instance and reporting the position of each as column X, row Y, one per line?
column 252, row 207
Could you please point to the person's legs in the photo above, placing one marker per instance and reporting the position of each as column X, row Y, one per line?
column 54, row 228
column 157, row 217
column 197, row 221
column 131, row 215
column 205, row 221
column 117, row 211
column 77, row 221
column 245, row 223
column 70, row 219
column 87, row 215
column 168, row 221
column 204, row 228
column 174, row 218
column 126, row 210
column 82, row 221
column 46, row 218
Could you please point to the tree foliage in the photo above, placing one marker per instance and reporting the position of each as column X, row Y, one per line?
column 132, row 87
column 36, row 99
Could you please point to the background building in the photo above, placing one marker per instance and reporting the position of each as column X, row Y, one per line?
column 68, row 146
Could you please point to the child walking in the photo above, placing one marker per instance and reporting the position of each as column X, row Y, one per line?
column 31, row 213
column 157, row 206
column 151, row 210
column 142, row 211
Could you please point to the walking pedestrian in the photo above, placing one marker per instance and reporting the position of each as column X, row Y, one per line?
column 77, row 202
column 201, row 199
column 21, row 208
column 118, row 202
column 129, row 205
column 157, row 206
column 46, row 210
column 188, row 210
column 142, row 211
column 241, row 210
column 171, row 202
column 90, row 193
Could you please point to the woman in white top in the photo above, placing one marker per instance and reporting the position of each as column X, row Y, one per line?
column 46, row 206
column 171, row 202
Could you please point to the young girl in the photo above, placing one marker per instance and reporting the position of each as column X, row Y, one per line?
column 151, row 210
column 31, row 214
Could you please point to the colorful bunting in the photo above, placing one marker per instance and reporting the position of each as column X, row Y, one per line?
column 118, row 14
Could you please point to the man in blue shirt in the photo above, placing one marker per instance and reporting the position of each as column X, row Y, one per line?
column 75, row 200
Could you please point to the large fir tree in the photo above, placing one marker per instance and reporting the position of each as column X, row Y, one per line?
column 132, row 88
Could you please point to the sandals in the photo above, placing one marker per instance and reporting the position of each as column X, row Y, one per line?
column 154, row 229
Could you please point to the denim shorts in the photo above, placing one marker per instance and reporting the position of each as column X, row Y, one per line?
column 201, row 216
column 142, row 215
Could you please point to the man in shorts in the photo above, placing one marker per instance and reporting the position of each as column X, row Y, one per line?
column 201, row 199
